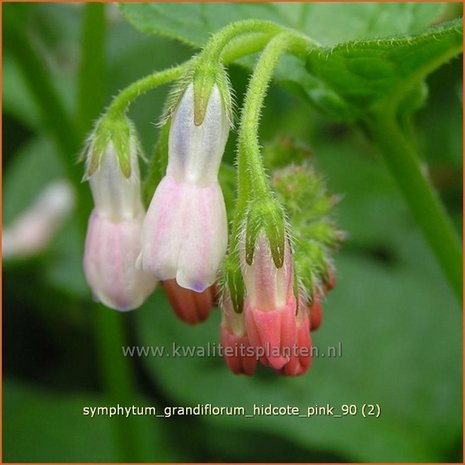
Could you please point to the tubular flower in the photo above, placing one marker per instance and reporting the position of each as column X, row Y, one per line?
column 185, row 231
column 238, row 352
column 301, row 357
column 113, row 238
column 190, row 307
column 270, row 304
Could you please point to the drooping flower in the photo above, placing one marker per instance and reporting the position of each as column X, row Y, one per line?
column 111, row 251
column 190, row 307
column 301, row 356
column 239, row 354
column 185, row 231
column 113, row 240
column 270, row 304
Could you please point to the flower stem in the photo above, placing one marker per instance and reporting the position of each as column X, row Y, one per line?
column 123, row 100
column 251, row 172
column 403, row 163
column 215, row 46
column 91, row 85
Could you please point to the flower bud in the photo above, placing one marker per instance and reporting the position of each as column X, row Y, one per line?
column 270, row 304
column 116, row 196
column 185, row 231
column 238, row 353
column 190, row 307
column 315, row 312
column 113, row 241
column 111, row 251
column 301, row 356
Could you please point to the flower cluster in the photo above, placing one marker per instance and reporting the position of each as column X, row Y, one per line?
column 268, row 308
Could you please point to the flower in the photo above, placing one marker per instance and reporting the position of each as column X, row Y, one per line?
column 190, row 307
column 113, row 240
column 238, row 353
column 270, row 304
column 185, row 231
column 111, row 251
column 301, row 356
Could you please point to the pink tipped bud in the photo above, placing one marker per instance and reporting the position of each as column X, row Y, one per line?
column 190, row 307
column 110, row 257
column 270, row 305
column 274, row 331
column 316, row 314
column 238, row 353
column 301, row 357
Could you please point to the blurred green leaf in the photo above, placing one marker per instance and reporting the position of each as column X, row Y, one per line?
column 45, row 426
column 41, row 425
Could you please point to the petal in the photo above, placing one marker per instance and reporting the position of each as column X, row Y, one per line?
column 195, row 152
column 162, row 233
column 110, row 254
column 273, row 330
column 204, row 243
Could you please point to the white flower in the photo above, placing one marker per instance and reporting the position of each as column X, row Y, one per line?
column 185, row 231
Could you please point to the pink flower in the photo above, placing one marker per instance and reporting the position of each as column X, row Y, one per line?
column 270, row 305
column 301, row 356
column 190, row 307
column 111, row 251
column 185, row 232
column 113, row 240
column 239, row 355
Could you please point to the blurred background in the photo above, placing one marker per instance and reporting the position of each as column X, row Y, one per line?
column 392, row 310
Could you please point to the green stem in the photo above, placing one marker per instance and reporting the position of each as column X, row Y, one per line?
column 403, row 163
column 251, row 172
column 55, row 118
column 116, row 371
column 121, row 102
column 215, row 46
column 91, row 83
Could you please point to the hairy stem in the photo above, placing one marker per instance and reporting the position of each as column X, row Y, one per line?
column 251, row 172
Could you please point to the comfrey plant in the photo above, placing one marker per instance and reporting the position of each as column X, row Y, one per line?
column 270, row 272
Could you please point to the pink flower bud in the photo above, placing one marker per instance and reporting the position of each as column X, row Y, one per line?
column 301, row 357
column 190, row 307
column 111, row 251
column 239, row 355
column 185, row 232
column 316, row 314
column 270, row 305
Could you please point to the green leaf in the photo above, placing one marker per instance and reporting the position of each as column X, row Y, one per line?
column 365, row 73
column 40, row 425
column 327, row 23
column 348, row 75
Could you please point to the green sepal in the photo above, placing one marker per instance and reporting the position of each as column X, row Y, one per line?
column 233, row 282
column 266, row 215
column 205, row 76
column 120, row 132
column 157, row 164
column 309, row 206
